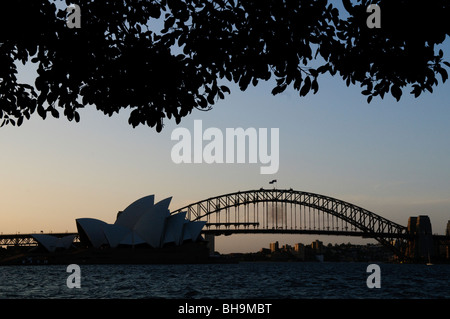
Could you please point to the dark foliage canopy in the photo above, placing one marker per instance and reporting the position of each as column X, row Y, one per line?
column 163, row 58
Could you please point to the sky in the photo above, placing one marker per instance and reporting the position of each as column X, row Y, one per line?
column 389, row 157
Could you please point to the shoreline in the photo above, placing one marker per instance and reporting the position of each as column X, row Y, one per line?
column 189, row 253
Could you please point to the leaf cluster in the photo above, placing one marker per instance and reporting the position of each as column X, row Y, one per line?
column 163, row 58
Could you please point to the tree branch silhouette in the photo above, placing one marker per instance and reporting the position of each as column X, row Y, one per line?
column 164, row 58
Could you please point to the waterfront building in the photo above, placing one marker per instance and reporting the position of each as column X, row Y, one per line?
column 274, row 247
column 299, row 250
column 317, row 246
column 142, row 223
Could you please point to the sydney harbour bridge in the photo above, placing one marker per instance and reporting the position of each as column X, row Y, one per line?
column 287, row 211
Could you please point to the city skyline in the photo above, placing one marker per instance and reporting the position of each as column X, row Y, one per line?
column 388, row 157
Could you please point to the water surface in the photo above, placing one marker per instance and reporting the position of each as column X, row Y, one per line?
column 223, row 281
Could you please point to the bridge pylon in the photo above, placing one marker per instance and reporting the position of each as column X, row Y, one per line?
column 420, row 244
column 210, row 239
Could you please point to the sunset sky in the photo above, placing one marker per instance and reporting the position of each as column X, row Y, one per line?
column 392, row 158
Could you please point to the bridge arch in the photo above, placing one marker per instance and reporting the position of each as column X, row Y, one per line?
column 295, row 212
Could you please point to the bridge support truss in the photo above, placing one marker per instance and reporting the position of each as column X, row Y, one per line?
column 290, row 211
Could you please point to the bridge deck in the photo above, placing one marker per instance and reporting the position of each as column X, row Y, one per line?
column 26, row 239
column 230, row 231
column 230, row 228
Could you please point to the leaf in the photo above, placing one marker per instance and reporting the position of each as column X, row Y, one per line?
column 298, row 83
column 444, row 74
column 279, row 89
column 202, row 102
column 244, row 82
column 41, row 111
column 225, row 89
column 417, row 90
column 306, row 86
column 210, row 98
column 169, row 22
column 39, row 83
column 55, row 112
column 315, row 86
column 396, row 92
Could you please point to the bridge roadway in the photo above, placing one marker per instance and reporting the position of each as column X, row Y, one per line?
column 27, row 240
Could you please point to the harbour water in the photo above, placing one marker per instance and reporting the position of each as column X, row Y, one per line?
column 271, row 280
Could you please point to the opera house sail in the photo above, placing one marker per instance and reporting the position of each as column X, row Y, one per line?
column 51, row 243
column 145, row 224
column 141, row 223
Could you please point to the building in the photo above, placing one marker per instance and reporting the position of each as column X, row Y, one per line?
column 142, row 223
column 317, row 247
column 274, row 247
column 299, row 250
column 52, row 243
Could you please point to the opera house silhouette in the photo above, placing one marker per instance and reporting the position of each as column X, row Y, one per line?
column 144, row 232
column 141, row 223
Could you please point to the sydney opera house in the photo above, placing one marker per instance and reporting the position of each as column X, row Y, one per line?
column 143, row 224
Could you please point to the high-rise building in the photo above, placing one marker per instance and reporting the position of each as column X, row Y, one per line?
column 298, row 247
column 317, row 246
column 274, row 247
column 300, row 251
